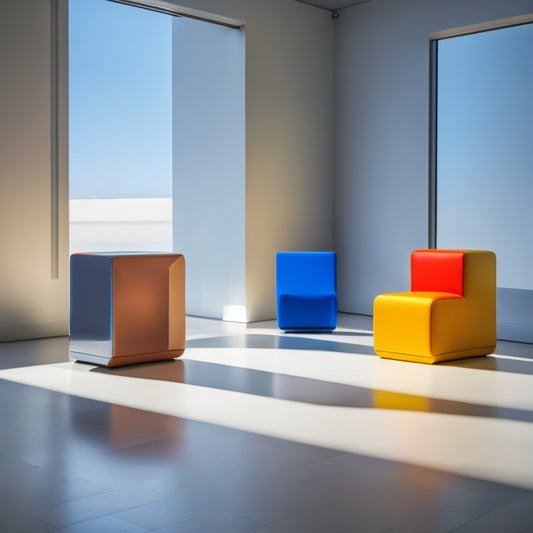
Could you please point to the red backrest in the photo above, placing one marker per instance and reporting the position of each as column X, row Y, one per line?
column 437, row 270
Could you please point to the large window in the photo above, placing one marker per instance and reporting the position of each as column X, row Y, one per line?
column 120, row 127
column 484, row 160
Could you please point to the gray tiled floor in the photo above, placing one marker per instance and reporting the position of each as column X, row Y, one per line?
column 74, row 465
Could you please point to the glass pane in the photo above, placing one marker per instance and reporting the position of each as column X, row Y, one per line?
column 120, row 127
column 485, row 155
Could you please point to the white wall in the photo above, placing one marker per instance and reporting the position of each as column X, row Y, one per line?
column 289, row 135
column 382, row 102
column 32, row 303
column 209, row 164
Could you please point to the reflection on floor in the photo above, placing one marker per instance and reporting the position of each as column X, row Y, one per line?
column 255, row 430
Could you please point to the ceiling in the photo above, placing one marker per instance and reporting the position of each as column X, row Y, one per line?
column 332, row 5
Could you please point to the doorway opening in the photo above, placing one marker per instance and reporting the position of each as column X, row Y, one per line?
column 157, row 142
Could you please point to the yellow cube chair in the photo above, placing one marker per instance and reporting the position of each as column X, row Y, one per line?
column 449, row 314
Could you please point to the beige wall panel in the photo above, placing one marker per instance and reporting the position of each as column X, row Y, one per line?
column 32, row 304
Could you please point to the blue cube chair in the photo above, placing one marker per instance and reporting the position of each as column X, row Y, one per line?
column 306, row 291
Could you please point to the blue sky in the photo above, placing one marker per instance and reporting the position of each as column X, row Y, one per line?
column 120, row 101
column 485, row 148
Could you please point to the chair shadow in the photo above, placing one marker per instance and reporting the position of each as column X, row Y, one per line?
column 352, row 333
column 283, row 342
column 494, row 363
column 305, row 390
